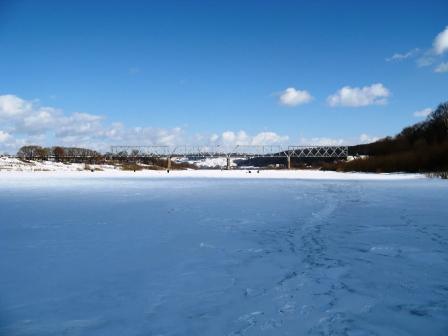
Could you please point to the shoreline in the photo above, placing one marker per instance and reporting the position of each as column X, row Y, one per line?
column 212, row 173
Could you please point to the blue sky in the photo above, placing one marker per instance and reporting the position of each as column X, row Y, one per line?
column 99, row 73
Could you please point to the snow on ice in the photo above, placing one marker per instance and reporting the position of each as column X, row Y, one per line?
column 153, row 255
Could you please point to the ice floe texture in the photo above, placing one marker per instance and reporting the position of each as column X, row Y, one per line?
column 155, row 256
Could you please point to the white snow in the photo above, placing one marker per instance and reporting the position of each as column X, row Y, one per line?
column 8, row 164
column 219, row 162
column 117, row 253
column 10, row 167
column 215, row 174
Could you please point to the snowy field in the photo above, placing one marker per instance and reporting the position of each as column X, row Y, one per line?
column 176, row 254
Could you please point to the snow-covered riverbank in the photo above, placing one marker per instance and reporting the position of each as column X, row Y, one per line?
column 10, row 164
column 12, row 167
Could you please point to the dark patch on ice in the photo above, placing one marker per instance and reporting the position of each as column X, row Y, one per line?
column 287, row 277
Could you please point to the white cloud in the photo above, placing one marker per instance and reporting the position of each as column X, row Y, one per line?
column 403, row 56
column 365, row 138
column 39, row 120
column 325, row 141
column 241, row 138
column 214, row 137
column 271, row 138
column 322, row 141
column 375, row 94
column 13, row 106
column 268, row 138
column 442, row 67
column 79, row 124
column 427, row 59
column 235, row 138
column 440, row 43
column 423, row 113
column 439, row 47
column 49, row 126
column 293, row 97
column 4, row 136
column 28, row 123
column 85, row 117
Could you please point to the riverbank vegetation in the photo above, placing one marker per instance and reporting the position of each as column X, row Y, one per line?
column 422, row 147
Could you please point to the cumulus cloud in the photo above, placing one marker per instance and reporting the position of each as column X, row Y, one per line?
column 440, row 43
column 4, row 136
column 234, row 138
column 13, row 106
column 432, row 55
column 294, row 97
column 269, row 138
column 322, row 141
column 231, row 138
column 39, row 120
column 214, row 137
column 365, row 138
column 375, row 94
column 26, row 122
column 442, row 67
column 79, row 124
column 325, row 141
column 429, row 56
column 423, row 113
column 402, row 56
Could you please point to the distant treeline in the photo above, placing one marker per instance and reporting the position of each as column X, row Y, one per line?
column 422, row 147
column 127, row 161
column 58, row 153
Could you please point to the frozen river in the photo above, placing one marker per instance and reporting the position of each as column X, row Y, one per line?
column 186, row 256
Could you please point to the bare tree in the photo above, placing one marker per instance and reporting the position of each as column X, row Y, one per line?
column 42, row 153
column 28, row 152
column 58, row 153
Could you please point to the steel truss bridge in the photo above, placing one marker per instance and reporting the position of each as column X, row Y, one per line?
column 239, row 151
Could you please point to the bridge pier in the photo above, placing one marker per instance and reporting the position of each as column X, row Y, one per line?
column 288, row 158
column 228, row 163
column 168, row 163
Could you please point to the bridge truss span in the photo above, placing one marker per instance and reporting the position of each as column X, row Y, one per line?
column 318, row 151
column 239, row 151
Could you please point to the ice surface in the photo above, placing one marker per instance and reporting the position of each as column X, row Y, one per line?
column 203, row 256
column 30, row 177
